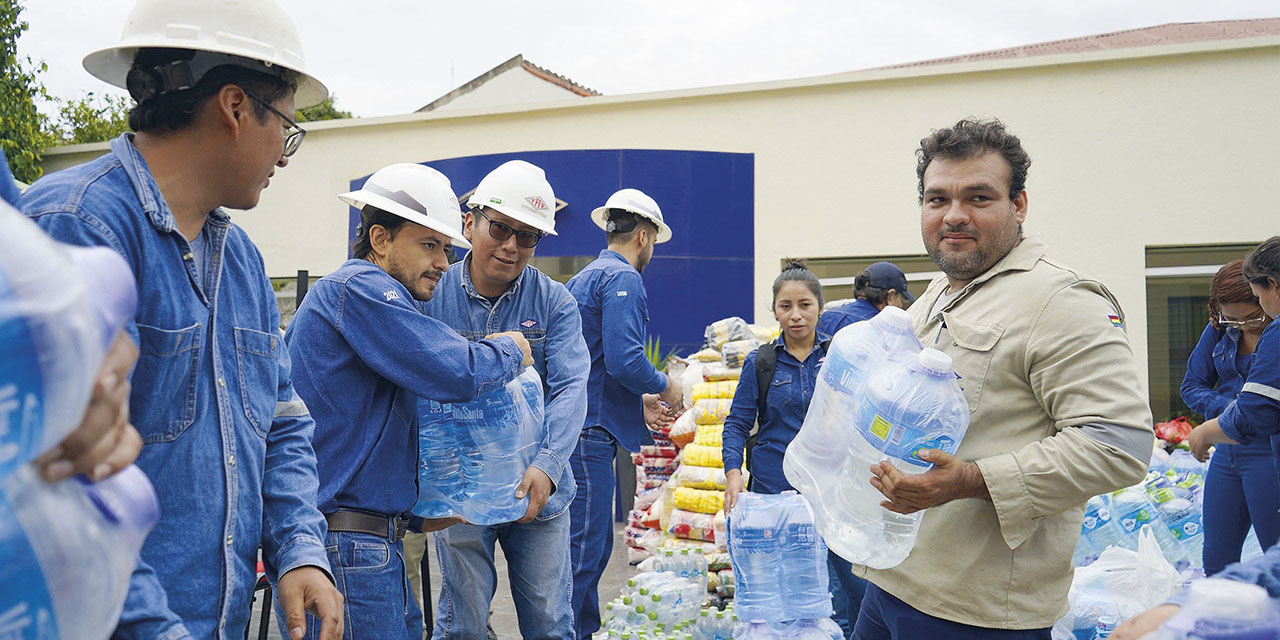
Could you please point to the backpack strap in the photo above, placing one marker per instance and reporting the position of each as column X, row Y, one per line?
column 766, row 364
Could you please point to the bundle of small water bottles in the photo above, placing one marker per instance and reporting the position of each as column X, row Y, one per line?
column 67, row 549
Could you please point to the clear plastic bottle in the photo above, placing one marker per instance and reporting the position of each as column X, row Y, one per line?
column 1096, row 532
column 60, row 308
column 908, row 405
column 804, row 563
column 754, row 544
column 67, row 550
column 1220, row 609
column 817, row 452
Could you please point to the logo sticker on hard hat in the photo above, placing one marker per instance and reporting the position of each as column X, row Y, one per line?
column 536, row 202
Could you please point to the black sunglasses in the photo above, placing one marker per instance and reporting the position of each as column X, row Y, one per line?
column 501, row 232
column 292, row 139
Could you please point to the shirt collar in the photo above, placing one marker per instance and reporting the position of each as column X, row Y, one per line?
column 148, row 192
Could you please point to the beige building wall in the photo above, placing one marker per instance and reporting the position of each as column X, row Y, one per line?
column 1172, row 145
column 513, row 87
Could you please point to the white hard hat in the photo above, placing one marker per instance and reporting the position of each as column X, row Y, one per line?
column 416, row 193
column 520, row 191
column 635, row 201
column 256, row 30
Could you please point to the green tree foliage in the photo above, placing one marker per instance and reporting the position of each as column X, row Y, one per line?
column 93, row 118
column 326, row 110
column 23, row 130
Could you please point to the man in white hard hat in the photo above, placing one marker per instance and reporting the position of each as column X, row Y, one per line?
column 363, row 353
column 227, row 441
column 493, row 289
column 612, row 301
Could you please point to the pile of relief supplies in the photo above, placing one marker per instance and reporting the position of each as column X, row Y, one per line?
column 1139, row 546
column 676, row 529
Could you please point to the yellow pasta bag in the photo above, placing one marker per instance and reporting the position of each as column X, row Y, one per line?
column 709, row 435
column 714, row 390
column 699, row 500
column 703, row 456
column 711, row 410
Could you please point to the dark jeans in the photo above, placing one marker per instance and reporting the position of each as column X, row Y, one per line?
column 1239, row 490
column 885, row 617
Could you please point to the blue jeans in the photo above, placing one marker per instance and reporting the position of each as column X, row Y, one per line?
column 1239, row 490
column 884, row 617
column 377, row 601
column 590, row 524
column 537, row 554
column 847, row 591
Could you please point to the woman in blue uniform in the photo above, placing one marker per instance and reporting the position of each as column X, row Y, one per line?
column 1240, row 486
column 797, row 301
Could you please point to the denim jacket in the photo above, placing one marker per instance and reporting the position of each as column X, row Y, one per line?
column 227, row 442
column 547, row 315
column 613, row 303
column 364, row 353
column 790, row 391
column 1215, row 372
column 844, row 315
column 1255, row 414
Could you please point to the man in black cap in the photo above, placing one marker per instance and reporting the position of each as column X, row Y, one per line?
column 881, row 285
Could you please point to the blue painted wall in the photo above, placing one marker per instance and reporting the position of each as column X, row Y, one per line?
column 703, row 274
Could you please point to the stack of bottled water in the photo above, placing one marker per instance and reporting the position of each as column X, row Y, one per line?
column 657, row 604
column 818, row 451
column 472, row 456
column 780, row 566
column 912, row 403
column 66, row 549
column 691, row 565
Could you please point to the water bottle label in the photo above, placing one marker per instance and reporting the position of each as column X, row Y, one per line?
column 1186, row 528
column 1095, row 520
column 904, row 442
column 1135, row 520
column 26, row 609
column 21, row 391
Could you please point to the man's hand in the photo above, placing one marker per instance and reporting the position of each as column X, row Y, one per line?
column 1206, row 435
column 537, row 486
column 309, row 589
column 733, row 485
column 1144, row 623
column 105, row 442
column 521, row 342
column 951, row 478
column 673, row 395
column 657, row 416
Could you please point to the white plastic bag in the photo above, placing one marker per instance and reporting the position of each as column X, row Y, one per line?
column 1119, row 584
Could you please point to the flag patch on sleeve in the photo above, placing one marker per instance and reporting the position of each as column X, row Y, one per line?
column 1115, row 320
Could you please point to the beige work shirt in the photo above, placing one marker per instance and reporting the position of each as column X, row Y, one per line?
column 1058, row 414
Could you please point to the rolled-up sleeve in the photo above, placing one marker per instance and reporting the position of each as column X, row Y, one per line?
column 1083, row 373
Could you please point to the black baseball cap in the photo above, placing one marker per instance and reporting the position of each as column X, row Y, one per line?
column 887, row 275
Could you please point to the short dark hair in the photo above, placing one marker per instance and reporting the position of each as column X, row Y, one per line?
column 971, row 138
column 796, row 271
column 862, row 288
column 369, row 216
column 176, row 110
column 629, row 223
column 1263, row 262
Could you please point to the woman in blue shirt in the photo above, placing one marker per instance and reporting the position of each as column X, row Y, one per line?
column 1240, row 486
column 797, row 301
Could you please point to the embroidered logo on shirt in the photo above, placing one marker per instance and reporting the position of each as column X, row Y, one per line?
column 529, row 324
column 1115, row 320
column 390, row 295
column 622, row 294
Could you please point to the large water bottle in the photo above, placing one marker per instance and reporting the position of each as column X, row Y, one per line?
column 754, row 545
column 1219, row 609
column 856, row 351
column 1096, row 532
column 1182, row 516
column 441, row 484
column 60, row 308
column 909, row 405
column 507, row 439
column 67, row 551
column 804, row 562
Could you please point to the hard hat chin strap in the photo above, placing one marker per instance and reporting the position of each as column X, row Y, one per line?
column 181, row 75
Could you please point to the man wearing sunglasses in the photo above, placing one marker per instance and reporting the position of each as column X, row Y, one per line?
column 612, row 301
column 227, row 441
column 493, row 289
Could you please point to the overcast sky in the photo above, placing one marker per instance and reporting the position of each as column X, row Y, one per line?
column 383, row 57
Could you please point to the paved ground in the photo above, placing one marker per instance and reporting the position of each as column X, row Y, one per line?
column 504, row 613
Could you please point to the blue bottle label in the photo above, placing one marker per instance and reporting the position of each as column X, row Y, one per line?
column 901, row 441
column 21, row 388
column 27, row 608
column 1095, row 519
column 1135, row 520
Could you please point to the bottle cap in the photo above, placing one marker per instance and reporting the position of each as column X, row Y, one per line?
column 895, row 318
column 935, row 361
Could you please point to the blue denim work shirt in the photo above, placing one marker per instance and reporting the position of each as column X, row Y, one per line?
column 227, row 440
column 789, row 394
column 363, row 352
column 844, row 315
column 1255, row 413
column 547, row 315
column 1215, row 372
column 613, row 303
